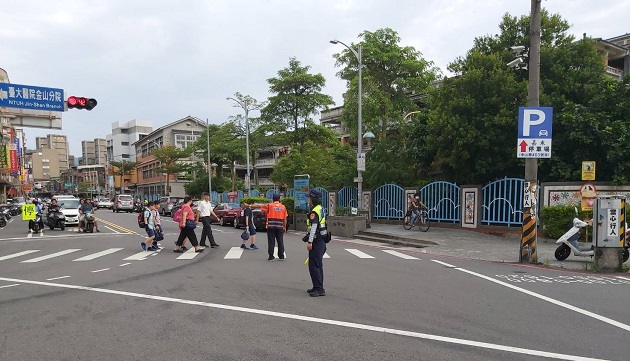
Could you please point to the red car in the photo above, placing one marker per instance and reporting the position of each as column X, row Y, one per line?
column 227, row 212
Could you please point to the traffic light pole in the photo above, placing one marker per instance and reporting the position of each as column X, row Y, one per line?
column 528, row 253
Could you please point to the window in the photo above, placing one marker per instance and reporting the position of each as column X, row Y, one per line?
column 185, row 140
column 126, row 156
column 124, row 130
column 124, row 143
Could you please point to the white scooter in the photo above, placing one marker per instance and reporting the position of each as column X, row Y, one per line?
column 568, row 242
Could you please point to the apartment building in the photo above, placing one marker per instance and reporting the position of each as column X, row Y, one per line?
column 124, row 134
column 181, row 133
column 42, row 164
column 87, row 153
column 58, row 142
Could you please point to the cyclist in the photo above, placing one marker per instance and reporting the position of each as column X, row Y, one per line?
column 415, row 207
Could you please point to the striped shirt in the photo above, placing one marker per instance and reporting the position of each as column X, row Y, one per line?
column 276, row 215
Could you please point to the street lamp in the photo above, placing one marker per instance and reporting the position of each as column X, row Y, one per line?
column 246, row 108
column 192, row 134
column 209, row 164
column 357, row 54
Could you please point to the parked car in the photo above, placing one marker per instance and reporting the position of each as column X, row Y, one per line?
column 177, row 206
column 227, row 212
column 259, row 216
column 167, row 204
column 122, row 202
column 104, row 203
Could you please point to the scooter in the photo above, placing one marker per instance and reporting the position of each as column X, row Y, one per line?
column 56, row 219
column 5, row 217
column 569, row 242
column 36, row 224
column 87, row 225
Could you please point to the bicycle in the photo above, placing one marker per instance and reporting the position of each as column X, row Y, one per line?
column 422, row 221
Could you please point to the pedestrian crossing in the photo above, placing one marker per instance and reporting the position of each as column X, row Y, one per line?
column 232, row 253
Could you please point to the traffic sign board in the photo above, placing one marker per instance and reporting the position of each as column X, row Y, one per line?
column 31, row 97
column 28, row 212
column 534, row 132
column 361, row 162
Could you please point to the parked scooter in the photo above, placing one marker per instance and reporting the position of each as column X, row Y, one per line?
column 5, row 217
column 569, row 242
column 87, row 224
column 56, row 219
column 138, row 207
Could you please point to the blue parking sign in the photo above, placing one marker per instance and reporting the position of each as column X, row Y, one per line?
column 534, row 132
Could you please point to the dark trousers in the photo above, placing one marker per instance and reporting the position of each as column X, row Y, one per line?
column 187, row 233
column 316, row 265
column 206, row 232
column 274, row 234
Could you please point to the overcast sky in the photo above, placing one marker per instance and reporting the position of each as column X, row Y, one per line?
column 161, row 60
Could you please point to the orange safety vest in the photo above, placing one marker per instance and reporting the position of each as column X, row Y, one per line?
column 276, row 214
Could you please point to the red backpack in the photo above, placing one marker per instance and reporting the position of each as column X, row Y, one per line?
column 177, row 217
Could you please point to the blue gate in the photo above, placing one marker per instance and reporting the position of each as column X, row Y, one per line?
column 503, row 202
column 389, row 202
column 289, row 193
column 324, row 198
column 254, row 193
column 269, row 194
column 443, row 200
column 348, row 197
column 214, row 197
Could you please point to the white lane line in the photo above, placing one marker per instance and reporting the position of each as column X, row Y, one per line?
column 11, row 285
column 98, row 254
column 623, row 278
column 124, row 264
column 444, row 263
column 398, row 254
column 140, row 256
column 190, row 254
column 550, row 300
column 57, row 278
column 358, row 253
column 326, row 255
column 325, row 321
column 53, row 255
column 111, row 229
column 30, row 235
column 18, row 254
column 101, row 270
column 275, row 252
column 234, row 253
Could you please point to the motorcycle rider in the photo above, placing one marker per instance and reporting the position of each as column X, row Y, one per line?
column 38, row 212
column 86, row 207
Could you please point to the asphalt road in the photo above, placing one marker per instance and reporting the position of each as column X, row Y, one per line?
column 74, row 296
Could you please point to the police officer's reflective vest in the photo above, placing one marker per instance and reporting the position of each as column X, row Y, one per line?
column 323, row 231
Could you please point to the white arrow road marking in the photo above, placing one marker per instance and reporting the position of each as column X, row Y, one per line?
column 325, row 321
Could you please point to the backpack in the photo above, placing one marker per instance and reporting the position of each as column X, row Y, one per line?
column 177, row 217
column 141, row 223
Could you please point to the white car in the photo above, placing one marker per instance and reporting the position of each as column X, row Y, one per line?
column 70, row 209
column 104, row 203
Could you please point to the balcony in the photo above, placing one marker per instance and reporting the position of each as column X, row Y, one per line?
column 616, row 73
column 265, row 182
column 266, row 161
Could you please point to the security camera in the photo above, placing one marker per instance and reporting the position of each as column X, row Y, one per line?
column 515, row 63
column 517, row 49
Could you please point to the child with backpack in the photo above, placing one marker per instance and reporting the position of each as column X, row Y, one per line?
column 149, row 222
column 159, row 232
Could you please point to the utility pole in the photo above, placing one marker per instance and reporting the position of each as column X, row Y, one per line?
column 528, row 252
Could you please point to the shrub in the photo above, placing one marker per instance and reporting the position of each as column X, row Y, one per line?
column 558, row 220
column 254, row 199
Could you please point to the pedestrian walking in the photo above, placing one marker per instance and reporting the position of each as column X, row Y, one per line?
column 316, row 243
column 149, row 221
column 187, row 227
column 276, row 226
column 205, row 210
column 159, row 231
column 249, row 226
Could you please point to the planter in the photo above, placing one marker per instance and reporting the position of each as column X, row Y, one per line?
column 346, row 226
column 300, row 222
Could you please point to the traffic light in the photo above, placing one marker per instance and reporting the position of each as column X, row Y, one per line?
column 81, row 103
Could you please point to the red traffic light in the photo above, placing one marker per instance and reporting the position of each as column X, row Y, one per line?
column 81, row 103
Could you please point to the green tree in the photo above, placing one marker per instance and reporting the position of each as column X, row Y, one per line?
column 297, row 97
column 170, row 157
column 122, row 169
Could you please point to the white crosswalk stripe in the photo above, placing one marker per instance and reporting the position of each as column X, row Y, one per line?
column 18, row 254
column 140, row 256
column 49, row 256
column 190, row 254
column 358, row 253
column 398, row 254
column 234, row 253
column 98, row 254
column 275, row 253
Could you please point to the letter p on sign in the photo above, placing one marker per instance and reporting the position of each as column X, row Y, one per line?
column 532, row 117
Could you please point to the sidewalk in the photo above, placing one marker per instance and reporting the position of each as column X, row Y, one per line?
column 457, row 242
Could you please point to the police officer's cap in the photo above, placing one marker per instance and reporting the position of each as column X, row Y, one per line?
column 276, row 196
column 314, row 193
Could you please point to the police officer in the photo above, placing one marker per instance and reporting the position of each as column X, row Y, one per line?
column 316, row 245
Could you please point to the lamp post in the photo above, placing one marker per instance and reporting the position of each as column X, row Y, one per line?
column 357, row 54
column 246, row 108
column 209, row 164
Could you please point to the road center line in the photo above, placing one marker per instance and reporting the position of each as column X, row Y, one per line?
column 101, row 270
column 57, row 278
column 11, row 285
column 290, row 316
column 550, row 300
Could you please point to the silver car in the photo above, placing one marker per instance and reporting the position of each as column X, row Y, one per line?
column 122, row 202
column 167, row 203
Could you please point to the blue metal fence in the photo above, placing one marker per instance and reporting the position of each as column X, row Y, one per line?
column 214, row 197
column 348, row 197
column 443, row 200
column 289, row 193
column 254, row 193
column 269, row 194
column 503, row 202
column 389, row 202
column 324, row 198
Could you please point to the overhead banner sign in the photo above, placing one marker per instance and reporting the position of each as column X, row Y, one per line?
column 534, row 132
column 31, row 97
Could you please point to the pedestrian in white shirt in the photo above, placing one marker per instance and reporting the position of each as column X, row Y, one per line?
column 205, row 209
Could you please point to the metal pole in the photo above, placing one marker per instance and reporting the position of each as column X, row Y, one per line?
column 247, row 177
column 360, row 134
column 529, row 235
column 209, row 163
column 192, row 134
